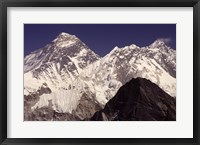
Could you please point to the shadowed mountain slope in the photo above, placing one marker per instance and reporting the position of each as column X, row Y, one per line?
column 139, row 100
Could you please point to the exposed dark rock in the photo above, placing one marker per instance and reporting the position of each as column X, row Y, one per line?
column 139, row 100
column 48, row 114
column 31, row 99
column 87, row 107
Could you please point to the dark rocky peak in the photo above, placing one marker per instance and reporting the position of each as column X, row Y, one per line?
column 139, row 100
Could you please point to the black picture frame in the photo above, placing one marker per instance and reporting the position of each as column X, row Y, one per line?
column 4, row 4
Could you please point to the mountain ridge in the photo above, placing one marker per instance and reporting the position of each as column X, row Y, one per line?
column 134, row 102
column 73, row 71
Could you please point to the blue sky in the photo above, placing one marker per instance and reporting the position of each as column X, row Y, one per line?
column 101, row 38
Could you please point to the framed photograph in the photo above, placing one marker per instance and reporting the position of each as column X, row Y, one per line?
column 109, row 72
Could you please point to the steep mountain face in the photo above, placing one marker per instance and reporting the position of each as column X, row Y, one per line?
column 138, row 100
column 58, row 63
column 81, row 83
column 163, row 55
column 156, row 62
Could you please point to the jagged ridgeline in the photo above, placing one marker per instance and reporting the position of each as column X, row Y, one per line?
column 66, row 80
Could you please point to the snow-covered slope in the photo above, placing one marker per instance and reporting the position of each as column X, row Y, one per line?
column 58, row 63
column 155, row 62
column 70, row 69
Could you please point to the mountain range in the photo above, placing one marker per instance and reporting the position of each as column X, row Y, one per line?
column 66, row 80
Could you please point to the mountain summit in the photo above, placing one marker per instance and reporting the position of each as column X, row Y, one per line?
column 159, row 43
column 65, row 39
column 138, row 100
column 67, row 76
column 61, row 60
column 63, row 46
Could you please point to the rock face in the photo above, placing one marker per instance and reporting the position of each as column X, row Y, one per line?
column 31, row 99
column 138, row 100
column 86, row 108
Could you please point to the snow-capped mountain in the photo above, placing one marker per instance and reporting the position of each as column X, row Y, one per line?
column 155, row 62
column 163, row 55
column 58, row 63
column 74, row 74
